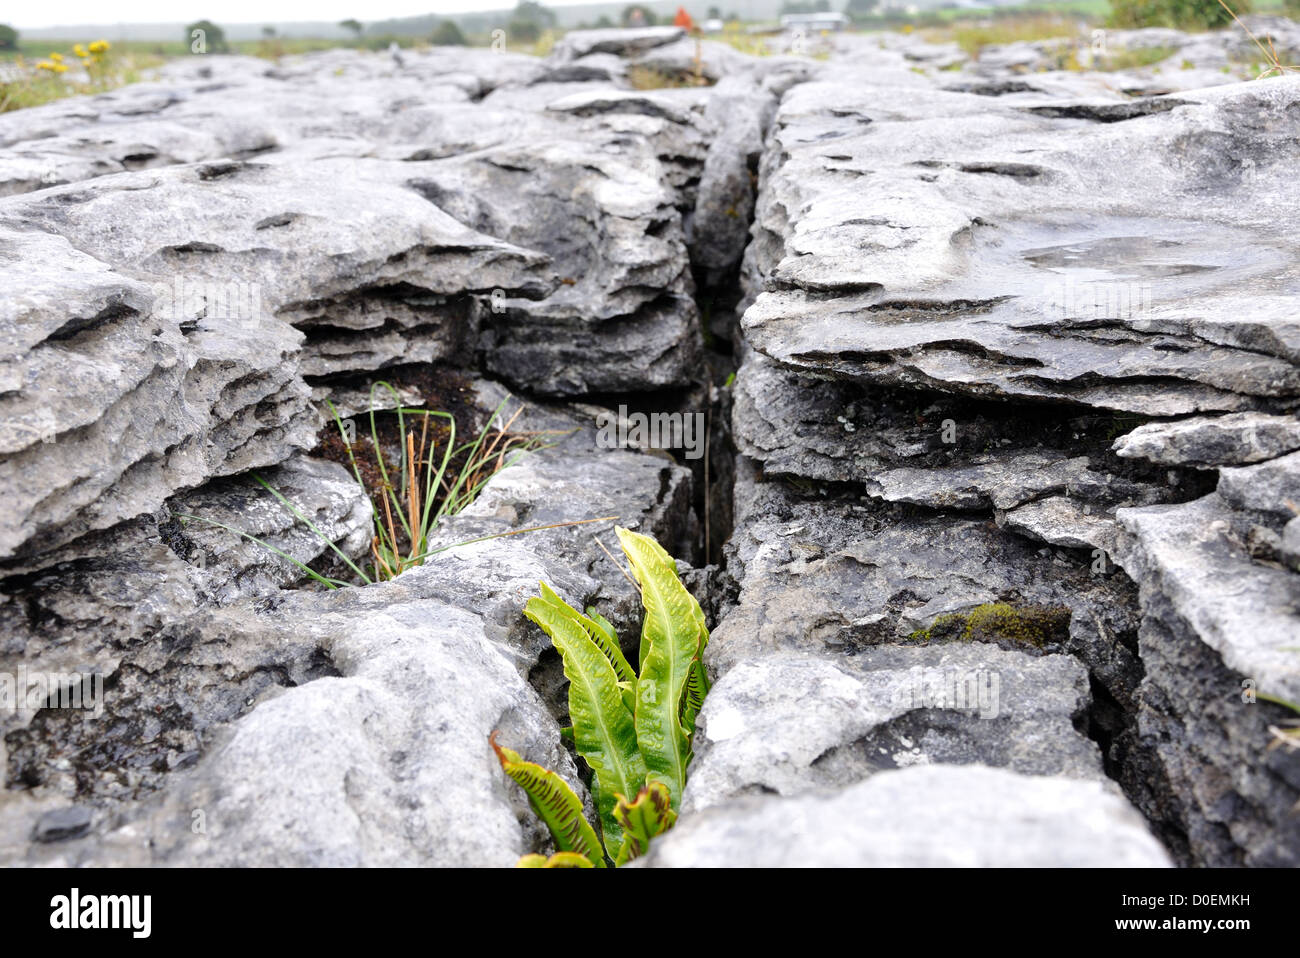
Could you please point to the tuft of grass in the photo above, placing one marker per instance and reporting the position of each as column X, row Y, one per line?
column 648, row 78
column 415, row 492
column 1126, row 59
column 412, row 488
column 1179, row 14
column 642, row 77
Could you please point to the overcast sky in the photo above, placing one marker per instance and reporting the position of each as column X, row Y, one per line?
column 72, row 12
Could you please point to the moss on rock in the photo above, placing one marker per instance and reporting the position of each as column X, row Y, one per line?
column 1034, row 625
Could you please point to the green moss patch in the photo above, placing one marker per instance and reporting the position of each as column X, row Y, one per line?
column 1034, row 625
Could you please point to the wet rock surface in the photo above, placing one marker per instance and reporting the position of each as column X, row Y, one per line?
column 1007, row 475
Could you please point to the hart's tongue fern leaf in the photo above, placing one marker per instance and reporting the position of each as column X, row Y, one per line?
column 603, row 731
column 634, row 730
column 672, row 639
column 642, row 820
column 554, row 803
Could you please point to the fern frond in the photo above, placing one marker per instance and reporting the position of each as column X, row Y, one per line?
column 650, row 815
column 554, row 802
column 603, row 729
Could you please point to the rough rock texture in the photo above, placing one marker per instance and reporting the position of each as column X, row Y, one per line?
column 977, row 276
column 786, row 723
column 958, row 301
column 358, row 704
column 110, row 408
column 1217, row 620
column 941, row 817
column 1011, row 519
column 1234, row 439
column 99, row 604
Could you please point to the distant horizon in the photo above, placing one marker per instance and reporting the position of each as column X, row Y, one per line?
column 268, row 12
column 327, row 14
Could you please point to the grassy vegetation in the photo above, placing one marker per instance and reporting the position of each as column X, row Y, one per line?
column 1071, row 25
column 649, row 78
column 974, row 35
column 1181, row 14
column 41, row 73
column 415, row 476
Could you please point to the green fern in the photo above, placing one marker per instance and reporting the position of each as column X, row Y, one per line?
column 648, row 816
column 633, row 729
column 554, row 802
column 603, row 729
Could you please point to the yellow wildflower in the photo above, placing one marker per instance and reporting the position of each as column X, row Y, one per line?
column 80, row 51
column 99, row 46
column 56, row 57
column 61, row 68
column 45, row 65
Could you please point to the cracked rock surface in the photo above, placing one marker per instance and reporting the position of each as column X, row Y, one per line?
column 1008, row 474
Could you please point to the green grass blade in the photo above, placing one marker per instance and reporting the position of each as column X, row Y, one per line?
column 323, row 580
column 312, row 526
column 449, row 504
column 1278, row 701
column 388, row 490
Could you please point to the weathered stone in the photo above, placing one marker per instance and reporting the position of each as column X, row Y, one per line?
column 871, row 209
column 962, row 283
column 359, row 704
column 124, row 403
column 70, row 822
column 581, row 43
column 90, row 605
column 1061, row 521
column 1231, row 440
column 786, row 724
column 622, row 316
column 1269, row 487
column 740, row 114
column 941, row 816
column 1214, row 619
